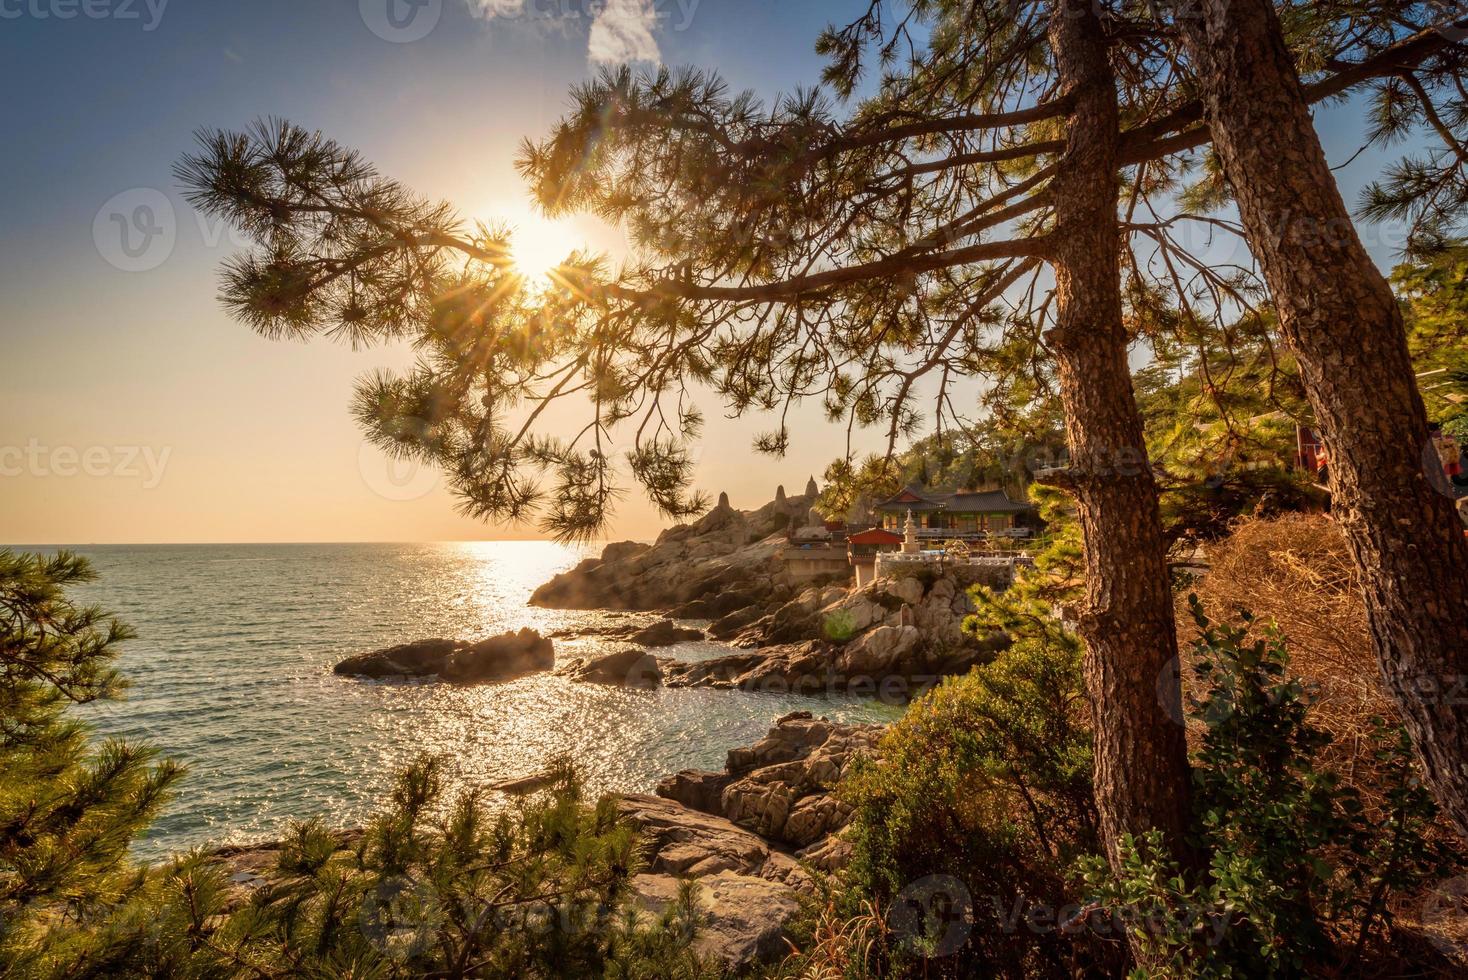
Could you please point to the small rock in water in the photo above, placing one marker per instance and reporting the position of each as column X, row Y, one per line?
column 498, row 658
column 665, row 634
column 528, row 784
column 626, row 668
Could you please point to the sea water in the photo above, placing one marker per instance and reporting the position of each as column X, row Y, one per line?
column 231, row 675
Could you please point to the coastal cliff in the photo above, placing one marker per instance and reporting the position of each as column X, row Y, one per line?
column 892, row 639
column 725, row 562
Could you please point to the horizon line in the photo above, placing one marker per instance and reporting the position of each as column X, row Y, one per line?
column 203, row 544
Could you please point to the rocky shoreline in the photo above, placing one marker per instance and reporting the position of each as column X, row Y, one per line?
column 893, row 639
column 755, row 834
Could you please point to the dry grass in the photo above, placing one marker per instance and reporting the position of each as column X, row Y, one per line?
column 1296, row 571
column 840, row 948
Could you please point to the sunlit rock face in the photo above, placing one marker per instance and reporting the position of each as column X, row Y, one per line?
column 498, row 658
column 748, row 890
column 725, row 561
column 892, row 639
column 780, row 787
column 737, row 832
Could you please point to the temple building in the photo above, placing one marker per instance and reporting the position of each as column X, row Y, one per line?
column 964, row 515
column 863, row 548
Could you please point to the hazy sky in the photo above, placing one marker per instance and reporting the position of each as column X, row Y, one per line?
column 131, row 408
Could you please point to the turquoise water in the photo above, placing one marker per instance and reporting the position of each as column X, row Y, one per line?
column 231, row 674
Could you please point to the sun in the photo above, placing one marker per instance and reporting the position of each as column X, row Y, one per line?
column 538, row 245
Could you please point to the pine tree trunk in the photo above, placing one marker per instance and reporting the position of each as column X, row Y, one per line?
column 1340, row 319
column 1141, row 766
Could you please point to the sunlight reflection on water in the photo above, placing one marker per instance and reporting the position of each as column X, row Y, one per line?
column 232, row 675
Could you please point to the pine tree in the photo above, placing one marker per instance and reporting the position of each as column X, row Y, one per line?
column 69, row 807
column 1346, row 330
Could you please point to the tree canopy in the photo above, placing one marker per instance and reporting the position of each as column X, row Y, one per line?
column 870, row 249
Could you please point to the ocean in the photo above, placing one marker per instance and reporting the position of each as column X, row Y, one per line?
column 231, row 675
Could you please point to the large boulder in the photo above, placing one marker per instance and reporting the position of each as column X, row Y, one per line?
column 633, row 667
column 498, row 658
column 780, row 787
column 729, row 625
column 687, row 843
column 700, row 789
column 880, row 652
column 421, row 658
column 743, row 920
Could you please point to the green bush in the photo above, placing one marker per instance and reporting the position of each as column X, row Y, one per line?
column 984, row 788
column 69, row 807
column 1301, row 871
column 986, row 779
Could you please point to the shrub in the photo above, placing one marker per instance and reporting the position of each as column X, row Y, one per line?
column 543, row 891
column 983, row 792
column 986, row 780
column 69, row 807
column 1301, row 873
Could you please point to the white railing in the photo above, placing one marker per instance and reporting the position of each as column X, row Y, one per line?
column 889, row 559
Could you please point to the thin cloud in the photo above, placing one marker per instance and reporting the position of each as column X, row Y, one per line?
column 622, row 32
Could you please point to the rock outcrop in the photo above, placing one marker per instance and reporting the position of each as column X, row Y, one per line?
column 780, row 787
column 737, row 832
column 748, row 892
column 498, row 658
column 744, row 918
column 893, row 640
column 938, row 602
column 688, row 843
column 723, row 562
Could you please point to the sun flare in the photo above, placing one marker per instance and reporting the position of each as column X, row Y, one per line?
column 538, row 245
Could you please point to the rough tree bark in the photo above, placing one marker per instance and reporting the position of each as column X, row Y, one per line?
column 1339, row 317
column 1141, row 765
